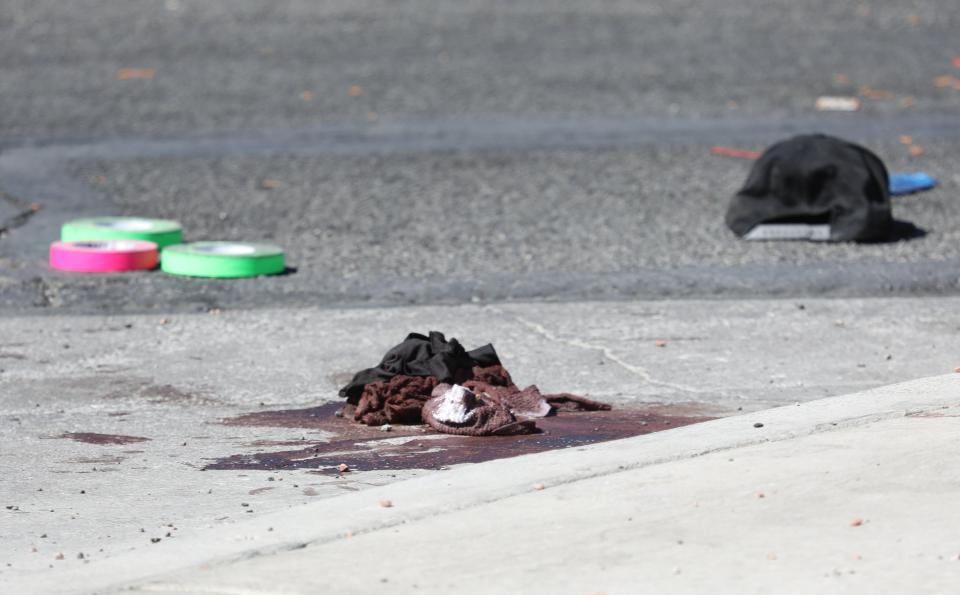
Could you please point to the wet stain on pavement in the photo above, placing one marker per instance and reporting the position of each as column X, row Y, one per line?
column 136, row 388
column 94, row 438
column 166, row 393
column 97, row 460
column 312, row 418
column 365, row 448
column 277, row 442
column 323, row 418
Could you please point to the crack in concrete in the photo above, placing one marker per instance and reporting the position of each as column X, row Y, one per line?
column 605, row 351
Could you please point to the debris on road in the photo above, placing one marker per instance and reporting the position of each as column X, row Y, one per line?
column 127, row 74
column 386, row 504
column 269, row 184
column 837, row 104
column 737, row 153
column 871, row 93
column 947, row 81
column 343, row 468
column 908, row 183
column 856, row 522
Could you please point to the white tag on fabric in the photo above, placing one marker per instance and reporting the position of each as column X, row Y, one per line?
column 456, row 406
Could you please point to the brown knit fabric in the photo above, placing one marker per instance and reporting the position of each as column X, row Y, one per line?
column 394, row 401
column 500, row 408
column 568, row 402
column 491, row 375
column 486, row 416
column 495, row 381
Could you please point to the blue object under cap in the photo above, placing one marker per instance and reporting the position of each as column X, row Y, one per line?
column 910, row 183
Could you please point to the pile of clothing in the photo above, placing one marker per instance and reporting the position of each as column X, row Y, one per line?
column 428, row 379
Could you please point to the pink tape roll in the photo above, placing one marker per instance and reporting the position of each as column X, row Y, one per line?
column 95, row 256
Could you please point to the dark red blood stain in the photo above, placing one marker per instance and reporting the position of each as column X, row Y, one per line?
column 277, row 443
column 97, row 460
column 92, row 438
column 320, row 418
column 363, row 448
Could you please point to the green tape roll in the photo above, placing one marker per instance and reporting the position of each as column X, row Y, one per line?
column 222, row 259
column 162, row 232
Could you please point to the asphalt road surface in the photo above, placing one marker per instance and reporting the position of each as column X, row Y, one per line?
column 426, row 152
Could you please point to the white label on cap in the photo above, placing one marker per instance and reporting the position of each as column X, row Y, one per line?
column 226, row 249
column 127, row 224
column 789, row 231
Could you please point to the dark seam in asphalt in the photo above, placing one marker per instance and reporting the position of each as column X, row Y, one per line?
column 20, row 218
column 425, row 136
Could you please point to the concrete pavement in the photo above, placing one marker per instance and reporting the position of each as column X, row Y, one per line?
column 163, row 385
column 841, row 495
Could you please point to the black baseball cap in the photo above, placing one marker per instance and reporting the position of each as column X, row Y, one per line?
column 814, row 182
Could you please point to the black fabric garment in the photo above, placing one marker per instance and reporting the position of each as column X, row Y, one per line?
column 816, row 179
column 423, row 356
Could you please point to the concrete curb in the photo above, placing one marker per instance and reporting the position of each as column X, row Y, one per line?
column 476, row 485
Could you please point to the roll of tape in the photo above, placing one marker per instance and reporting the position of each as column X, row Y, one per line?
column 222, row 259
column 103, row 256
column 162, row 232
